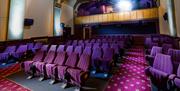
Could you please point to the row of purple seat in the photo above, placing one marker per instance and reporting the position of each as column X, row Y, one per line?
column 58, row 64
column 162, row 72
column 97, row 52
column 17, row 52
column 174, row 53
column 163, row 41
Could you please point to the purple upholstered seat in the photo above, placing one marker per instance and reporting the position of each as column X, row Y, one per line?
column 38, row 57
column 47, row 60
column 155, row 50
column 96, row 56
column 105, row 45
column 5, row 55
column 86, row 41
column 96, row 45
column 70, row 63
column 69, row 42
column 59, row 61
column 162, row 68
column 88, row 45
column 69, row 50
column 79, row 74
column 78, row 50
column 175, row 55
column 75, row 42
column 30, row 46
column 20, row 51
column 87, row 50
column 52, row 48
column 44, row 48
column 166, row 47
column 98, row 41
column 105, row 63
column 37, row 46
column 80, row 41
column 61, row 48
column 93, row 41
column 115, row 47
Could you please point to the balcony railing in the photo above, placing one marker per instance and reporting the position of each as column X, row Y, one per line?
column 144, row 14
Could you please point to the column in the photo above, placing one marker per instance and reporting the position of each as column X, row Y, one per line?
column 16, row 19
column 4, row 9
column 171, row 17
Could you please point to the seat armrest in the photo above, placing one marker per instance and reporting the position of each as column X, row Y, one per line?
column 172, row 76
column 84, row 75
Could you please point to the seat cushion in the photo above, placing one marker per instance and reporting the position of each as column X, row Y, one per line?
column 61, row 71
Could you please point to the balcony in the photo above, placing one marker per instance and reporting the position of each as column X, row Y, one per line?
column 136, row 15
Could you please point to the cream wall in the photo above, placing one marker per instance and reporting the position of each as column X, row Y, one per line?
column 177, row 11
column 42, row 13
column 4, row 4
column 164, row 27
column 67, row 13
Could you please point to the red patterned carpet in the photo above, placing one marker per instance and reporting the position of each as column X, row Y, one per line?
column 8, row 85
column 10, row 70
column 131, row 75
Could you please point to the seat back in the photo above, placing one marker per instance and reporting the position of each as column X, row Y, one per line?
column 60, row 58
column 105, row 45
column 22, row 48
column 44, row 48
column 84, row 62
column 166, row 47
column 49, row 57
column 30, row 46
column 115, row 48
column 80, row 41
column 87, row 51
column 92, row 41
column 88, row 44
column 61, row 48
column 39, row 56
column 75, row 43
column 78, row 50
column 10, row 49
column 97, row 53
column 72, row 60
column 155, row 50
column 108, row 53
column 175, row 54
column 69, row 42
column 163, row 63
column 96, row 45
column 69, row 50
column 52, row 48
column 38, row 45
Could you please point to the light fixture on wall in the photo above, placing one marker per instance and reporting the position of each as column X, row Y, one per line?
column 124, row 5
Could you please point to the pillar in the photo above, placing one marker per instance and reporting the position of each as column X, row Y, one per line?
column 171, row 17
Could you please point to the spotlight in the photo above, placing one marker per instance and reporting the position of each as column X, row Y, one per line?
column 124, row 5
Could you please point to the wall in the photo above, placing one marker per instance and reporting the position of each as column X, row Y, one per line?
column 177, row 11
column 42, row 13
column 67, row 14
column 164, row 27
column 4, row 4
column 137, row 28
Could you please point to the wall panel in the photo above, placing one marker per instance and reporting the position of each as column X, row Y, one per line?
column 117, row 17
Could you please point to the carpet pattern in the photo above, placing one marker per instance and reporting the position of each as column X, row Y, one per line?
column 4, row 72
column 131, row 75
column 8, row 85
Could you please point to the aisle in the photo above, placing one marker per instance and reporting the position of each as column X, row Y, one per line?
column 131, row 75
